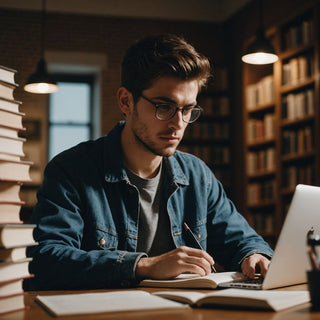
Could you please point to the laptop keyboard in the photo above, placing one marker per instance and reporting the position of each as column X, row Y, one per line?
column 255, row 283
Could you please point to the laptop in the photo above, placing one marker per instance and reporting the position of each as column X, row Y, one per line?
column 290, row 260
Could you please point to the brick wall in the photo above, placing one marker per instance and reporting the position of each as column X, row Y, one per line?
column 20, row 48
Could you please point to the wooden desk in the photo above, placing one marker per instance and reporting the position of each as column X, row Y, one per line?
column 301, row 312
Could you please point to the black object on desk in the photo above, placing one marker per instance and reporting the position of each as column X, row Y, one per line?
column 313, row 241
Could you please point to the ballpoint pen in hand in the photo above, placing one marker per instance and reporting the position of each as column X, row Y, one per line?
column 196, row 242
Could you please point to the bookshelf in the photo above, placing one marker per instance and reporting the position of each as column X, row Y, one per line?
column 260, row 148
column 281, row 122
column 298, row 97
column 209, row 137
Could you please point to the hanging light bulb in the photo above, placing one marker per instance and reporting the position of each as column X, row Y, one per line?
column 261, row 50
column 41, row 81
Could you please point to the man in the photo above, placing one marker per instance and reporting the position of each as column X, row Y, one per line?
column 111, row 212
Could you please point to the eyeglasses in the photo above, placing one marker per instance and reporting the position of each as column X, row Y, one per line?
column 166, row 111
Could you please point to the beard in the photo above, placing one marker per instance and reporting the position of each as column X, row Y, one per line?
column 142, row 137
column 151, row 147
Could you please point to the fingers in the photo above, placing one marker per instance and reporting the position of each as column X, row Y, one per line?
column 264, row 265
column 175, row 262
column 195, row 260
column 250, row 264
column 197, row 253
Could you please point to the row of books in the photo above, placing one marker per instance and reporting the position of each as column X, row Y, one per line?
column 214, row 106
column 299, row 34
column 208, row 130
column 260, row 192
column 293, row 175
column 15, row 236
column 297, row 141
column 216, row 155
column 297, row 70
column 298, row 105
column 261, row 161
column 260, row 93
column 261, row 129
column 262, row 222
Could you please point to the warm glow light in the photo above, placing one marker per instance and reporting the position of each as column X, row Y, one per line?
column 42, row 88
column 260, row 58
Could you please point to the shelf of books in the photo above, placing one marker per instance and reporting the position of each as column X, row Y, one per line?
column 15, row 235
column 281, row 123
column 209, row 137
column 260, row 148
column 299, row 96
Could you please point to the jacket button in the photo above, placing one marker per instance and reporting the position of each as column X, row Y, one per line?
column 102, row 242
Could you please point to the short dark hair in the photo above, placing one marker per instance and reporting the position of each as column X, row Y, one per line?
column 158, row 56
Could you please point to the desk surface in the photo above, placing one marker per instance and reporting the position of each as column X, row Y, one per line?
column 301, row 312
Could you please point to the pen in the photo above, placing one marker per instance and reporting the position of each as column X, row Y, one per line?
column 196, row 242
column 313, row 241
column 313, row 259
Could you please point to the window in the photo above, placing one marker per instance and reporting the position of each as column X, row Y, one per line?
column 70, row 113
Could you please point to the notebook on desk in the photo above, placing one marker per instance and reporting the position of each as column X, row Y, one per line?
column 290, row 260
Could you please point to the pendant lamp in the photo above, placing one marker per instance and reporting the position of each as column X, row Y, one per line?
column 41, row 81
column 261, row 50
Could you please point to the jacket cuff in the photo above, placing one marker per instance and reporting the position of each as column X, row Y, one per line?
column 127, row 262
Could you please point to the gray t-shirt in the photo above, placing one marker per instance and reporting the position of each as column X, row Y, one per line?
column 154, row 233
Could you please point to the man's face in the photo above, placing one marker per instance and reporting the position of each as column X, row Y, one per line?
column 157, row 136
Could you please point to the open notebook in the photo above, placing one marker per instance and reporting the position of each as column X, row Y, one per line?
column 290, row 260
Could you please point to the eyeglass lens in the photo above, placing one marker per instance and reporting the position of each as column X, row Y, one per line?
column 165, row 111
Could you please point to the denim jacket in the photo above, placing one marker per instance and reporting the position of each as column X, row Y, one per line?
column 87, row 217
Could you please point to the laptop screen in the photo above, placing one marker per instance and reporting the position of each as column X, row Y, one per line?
column 290, row 261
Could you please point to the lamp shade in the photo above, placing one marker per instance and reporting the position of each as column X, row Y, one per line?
column 260, row 51
column 41, row 81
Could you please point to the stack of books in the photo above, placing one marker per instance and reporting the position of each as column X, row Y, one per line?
column 15, row 235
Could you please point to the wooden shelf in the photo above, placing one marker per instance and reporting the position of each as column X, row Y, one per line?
column 290, row 53
column 301, row 62
column 261, row 174
column 262, row 109
column 297, row 156
column 297, row 122
column 287, row 88
column 261, row 143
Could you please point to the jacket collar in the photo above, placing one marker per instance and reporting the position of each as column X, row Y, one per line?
column 113, row 165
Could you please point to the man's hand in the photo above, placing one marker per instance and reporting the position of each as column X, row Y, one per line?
column 253, row 262
column 171, row 264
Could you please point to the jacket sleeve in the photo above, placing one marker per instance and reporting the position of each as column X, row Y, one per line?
column 230, row 238
column 62, row 260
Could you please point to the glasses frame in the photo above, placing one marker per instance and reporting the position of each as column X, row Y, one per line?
column 158, row 104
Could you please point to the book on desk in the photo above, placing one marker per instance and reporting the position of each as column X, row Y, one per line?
column 139, row 300
column 105, row 302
